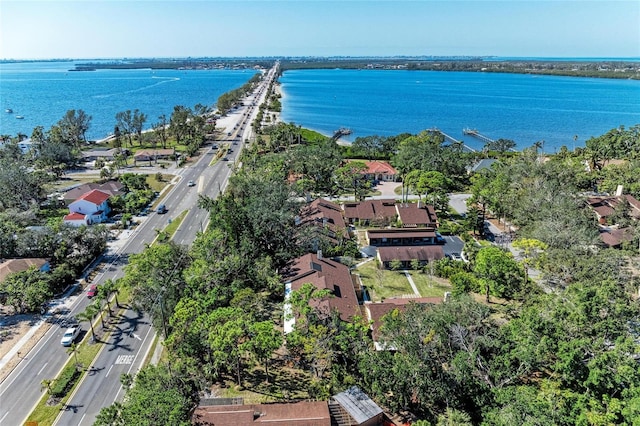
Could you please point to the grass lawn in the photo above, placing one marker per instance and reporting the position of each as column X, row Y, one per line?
column 430, row 286
column 383, row 283
column 157, row 185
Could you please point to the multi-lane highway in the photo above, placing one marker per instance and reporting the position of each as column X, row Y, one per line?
column 130, row 341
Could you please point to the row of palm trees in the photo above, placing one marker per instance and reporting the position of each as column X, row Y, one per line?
column 102, row 299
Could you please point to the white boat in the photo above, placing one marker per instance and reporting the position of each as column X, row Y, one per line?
column 8, row 110
column 19, row 117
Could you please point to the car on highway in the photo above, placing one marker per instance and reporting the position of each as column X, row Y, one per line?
column 162, row 209
column 92, row 291
column 225, row 159
column 70, row 336
column 191, row 183
column 456, row 256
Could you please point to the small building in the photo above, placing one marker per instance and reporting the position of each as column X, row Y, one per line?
column 605, row 206
column 354, row 407
column 105, row 154
column 408, row 254
column 614, row 237
column 153, row 154
column 484, row 164
column 324, row 274
column 11, row 266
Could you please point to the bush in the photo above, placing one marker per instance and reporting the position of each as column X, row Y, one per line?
column 65, row 381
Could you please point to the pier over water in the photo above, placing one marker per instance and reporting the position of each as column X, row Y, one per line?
column 451, row 139
column 476, row 134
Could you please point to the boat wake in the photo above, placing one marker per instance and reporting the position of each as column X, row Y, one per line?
column 140, row 89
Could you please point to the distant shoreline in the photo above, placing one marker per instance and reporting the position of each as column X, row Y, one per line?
column 614, row 68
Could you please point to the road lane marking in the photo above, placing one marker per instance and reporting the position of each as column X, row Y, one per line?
column 124, row 359
column 83, row 416
column 4, row 417
column 108, row 371
column 45, row 364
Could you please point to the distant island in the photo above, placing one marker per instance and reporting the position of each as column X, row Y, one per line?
column 610, row 68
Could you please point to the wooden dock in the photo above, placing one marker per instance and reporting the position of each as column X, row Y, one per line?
column 476, row 134
column 451, row 139
column 343, row 131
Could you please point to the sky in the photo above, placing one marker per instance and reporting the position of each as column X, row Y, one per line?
column 210, row 28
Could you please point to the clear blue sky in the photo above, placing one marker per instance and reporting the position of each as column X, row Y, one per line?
column 139, row 28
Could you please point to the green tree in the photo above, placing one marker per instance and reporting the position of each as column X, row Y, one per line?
column 499, row 274
column 26, row 291
column 264, row 340
column 88, row 315
column 352, row 176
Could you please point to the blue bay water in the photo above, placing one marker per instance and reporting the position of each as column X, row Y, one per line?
column 524, row 108
column 43, row 92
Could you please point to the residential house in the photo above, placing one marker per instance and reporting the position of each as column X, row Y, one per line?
column 484, row 164
column 375, row 312
column 325, row 215
column 324, row 274
column 153, row 154
column 11, row 266
column 380, row 171
column 90, row 208
column 371, row 212
column 407, row 254
column 105, row 154
column 111, row 187
column 614, row 237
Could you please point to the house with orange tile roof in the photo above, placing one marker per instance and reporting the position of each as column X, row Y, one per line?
column 90, row 208
column 381, row 170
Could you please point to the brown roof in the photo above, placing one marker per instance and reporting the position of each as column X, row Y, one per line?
column 306, row 413
column 375, row 311
column 371, row 210
column 325, row 274
column 401, row 233
column 417, row 214
column 19, row 265
column 74, row 216
column 615, row 237
column 111, row 187
column 409, row 253
column 154, row 153
column 321, row 212
column 605, row 206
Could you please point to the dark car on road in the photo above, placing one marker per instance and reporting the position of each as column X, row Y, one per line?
column 162, row 209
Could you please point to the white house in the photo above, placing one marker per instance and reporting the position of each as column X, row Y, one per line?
column 91, row 207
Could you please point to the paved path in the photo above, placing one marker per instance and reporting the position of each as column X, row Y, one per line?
column 412, row 284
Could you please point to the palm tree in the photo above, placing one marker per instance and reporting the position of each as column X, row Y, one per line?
column 87, row 315
column 46, row 384
column 73, row 349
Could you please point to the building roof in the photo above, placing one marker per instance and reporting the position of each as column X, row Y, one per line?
column 485, row 163
column 95, row 196
column 154, row 153
column 401, row 233
column 11, row 266
column 605, row 206
column 109, row 153
column 358, row 404
column 409, row 253
column 380, row 167
column 417, row 214
column 371, row 210
column 110, row 187
column 327, row 274
column 375, row 311
column 73, row 216
column 615, row 237
column 321, row 212
column 306, row 413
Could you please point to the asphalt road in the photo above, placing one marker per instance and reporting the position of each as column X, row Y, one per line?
column 21, row 390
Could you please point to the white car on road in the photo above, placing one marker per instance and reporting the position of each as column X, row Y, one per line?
column 70, row 336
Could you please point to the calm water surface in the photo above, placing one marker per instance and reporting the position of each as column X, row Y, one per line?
column 43, row 92
column 525, row 108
